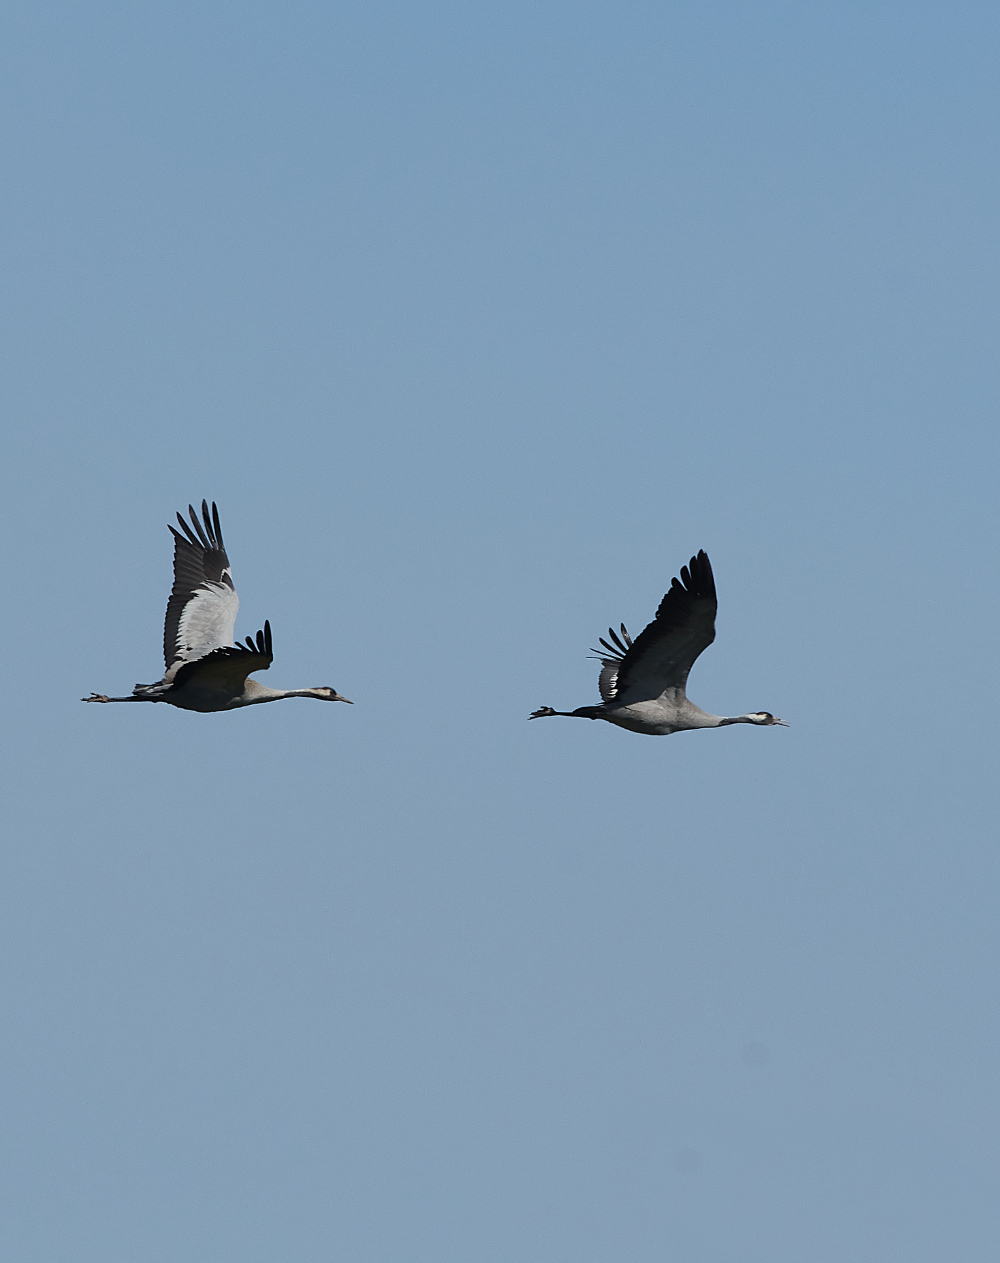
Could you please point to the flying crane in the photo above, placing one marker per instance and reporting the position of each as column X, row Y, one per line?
column 642, row 681
column 206, row 671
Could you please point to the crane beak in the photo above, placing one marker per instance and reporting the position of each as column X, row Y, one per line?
column 337, row 698
column 780, row 721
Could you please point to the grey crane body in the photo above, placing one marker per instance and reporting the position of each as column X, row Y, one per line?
column 643, row 682
column 202, row 693
column 206, row 671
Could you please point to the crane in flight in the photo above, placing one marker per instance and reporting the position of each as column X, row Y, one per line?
column 643, row 681
column 206, row 671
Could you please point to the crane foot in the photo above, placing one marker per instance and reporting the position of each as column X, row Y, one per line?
column 95, row 697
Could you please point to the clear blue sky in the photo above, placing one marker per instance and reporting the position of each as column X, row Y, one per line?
column 477, row 322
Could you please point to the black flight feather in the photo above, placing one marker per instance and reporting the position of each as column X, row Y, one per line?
column 614, row 636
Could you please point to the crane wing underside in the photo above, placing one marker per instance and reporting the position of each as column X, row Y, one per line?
column 205, row 622
column 611, row 658
column 201, row 612
column 661, row 656
column 607, row 681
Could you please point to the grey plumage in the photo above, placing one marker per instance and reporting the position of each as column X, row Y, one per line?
column 643, row 682
column 205, row 669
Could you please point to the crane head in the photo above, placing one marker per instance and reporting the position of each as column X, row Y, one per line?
column 765, row 718
column 327, row 694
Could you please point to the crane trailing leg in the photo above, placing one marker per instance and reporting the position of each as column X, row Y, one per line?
column 583, row 712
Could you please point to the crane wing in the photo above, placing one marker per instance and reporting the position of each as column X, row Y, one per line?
column 611, row 658
column 201, row 612
column 661, row 656
column 225, row 670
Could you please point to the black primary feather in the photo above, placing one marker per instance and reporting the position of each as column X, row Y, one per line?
column 614, row 636
column 197, row 525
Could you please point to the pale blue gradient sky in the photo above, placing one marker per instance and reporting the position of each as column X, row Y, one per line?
column 477, row 323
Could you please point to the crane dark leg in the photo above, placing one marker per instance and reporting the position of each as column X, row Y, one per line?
column 585, row 712
column 100, row 697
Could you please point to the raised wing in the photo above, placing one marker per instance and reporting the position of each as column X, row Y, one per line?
column 661, row 656
column 201, row 612
column 225, row 670
column 611, row 657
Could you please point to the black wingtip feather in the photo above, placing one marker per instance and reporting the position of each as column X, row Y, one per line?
column 696, row 582
column 188, row 533
column 207, row 536
column 197, row 526
column 209, row 530
column 614, row 636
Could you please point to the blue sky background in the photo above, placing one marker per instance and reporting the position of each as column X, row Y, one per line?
column 477, row 323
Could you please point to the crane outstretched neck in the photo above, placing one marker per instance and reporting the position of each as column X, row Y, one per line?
column 255, row 693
